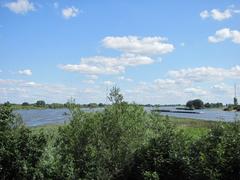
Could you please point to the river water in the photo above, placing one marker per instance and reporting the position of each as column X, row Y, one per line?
column 36, row 117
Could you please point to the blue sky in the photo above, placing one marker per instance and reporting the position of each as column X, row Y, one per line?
column 156, row 51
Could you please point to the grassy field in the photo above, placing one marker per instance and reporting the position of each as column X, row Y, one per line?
column 191, row 127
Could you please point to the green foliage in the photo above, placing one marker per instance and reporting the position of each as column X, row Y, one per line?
column 25, row 104
column 40, row 103
column 196, row 104
column 101, row 144
column 213, row 105
column 92, row 105
column 122, row 142
column 217, row 155
column 20, row 149
column 114, row 96
column 164, row 157
column 235, row 101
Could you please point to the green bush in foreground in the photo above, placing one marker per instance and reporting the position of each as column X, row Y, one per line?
column 102, row 144
column 20, row 149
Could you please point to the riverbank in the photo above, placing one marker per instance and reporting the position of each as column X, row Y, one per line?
column 193, row 128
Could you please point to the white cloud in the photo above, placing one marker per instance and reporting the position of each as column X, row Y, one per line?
column 26, row 72
column 205, row 74
column 196, row 91
column 89, row 81
column 218, row 15
column 31, row 84
column 204, row 14
column 20, row 91
column 222, row 88
column 70, row 12
column 224, row 34
column 135, row 45
column 124, row 79
column 164, row 83
column 20, row 6
column 108, row 83
column 92, row 77
column 106, row 65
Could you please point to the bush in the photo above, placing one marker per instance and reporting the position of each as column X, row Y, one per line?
column 102, row 144
column 164, row 157
column 20, row 149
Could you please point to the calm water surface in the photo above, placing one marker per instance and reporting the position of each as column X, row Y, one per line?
column 36, row 117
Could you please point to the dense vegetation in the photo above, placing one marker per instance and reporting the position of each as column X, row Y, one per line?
column 232, row 107
column 122, row 142
column 40, row 104
column 213, row 105
column 195, row 104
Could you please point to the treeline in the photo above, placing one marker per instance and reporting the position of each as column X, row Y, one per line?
column 43, row 105
column 122, row 142
column 199, row 104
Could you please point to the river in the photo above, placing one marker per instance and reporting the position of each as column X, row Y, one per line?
column 36, row 117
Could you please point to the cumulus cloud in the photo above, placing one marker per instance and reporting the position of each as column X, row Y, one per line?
column 27, row 72
column 145, row 46
column 222, row 88
column 20, row 6
column 218, row 15
column 196, row 91
column 21, row 90
column 70, row 12
column 204, row 14
column 89, row 81
column 108, row 83
column 134, row 51
column 224, row 34
column 92, row 77
column 107, row 65
column 124, row 79
column 201, row 74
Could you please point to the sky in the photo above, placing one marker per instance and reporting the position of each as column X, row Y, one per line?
column 157, row 52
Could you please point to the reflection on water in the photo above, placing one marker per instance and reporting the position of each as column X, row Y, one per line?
column 37, row 117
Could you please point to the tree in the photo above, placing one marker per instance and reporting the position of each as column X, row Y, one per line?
column 40, row 103
column 20, row 149
column 92, row 105
column 99, row 145
column 25, row 104
column 196, row 103
column 114, row 96
column 7, row 103
column 235, row 101
column 189, row 104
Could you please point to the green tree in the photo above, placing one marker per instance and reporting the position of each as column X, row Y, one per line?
column 20, row 149
column 163, row 157
column 196, row 103
column 25, row 104
column 40, row 103
column 99, row 145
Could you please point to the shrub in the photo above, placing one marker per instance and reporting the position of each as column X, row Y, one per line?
column 20, row 149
